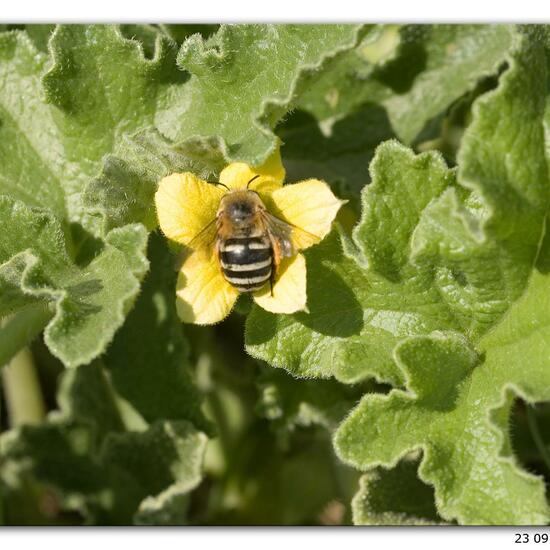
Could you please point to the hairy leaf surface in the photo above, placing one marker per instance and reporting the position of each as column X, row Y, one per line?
column 88, row 303
column 431, row 66
column 244, row 79
column 463, row 245
column 451, row 417
column 111, row 476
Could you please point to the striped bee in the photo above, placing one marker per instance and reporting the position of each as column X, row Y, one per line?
column 249, row 242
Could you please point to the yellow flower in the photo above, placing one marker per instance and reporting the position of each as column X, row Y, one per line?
column 186, row 205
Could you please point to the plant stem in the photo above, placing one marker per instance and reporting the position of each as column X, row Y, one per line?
column 535, row 434
column 21, row 329
column 24, row 400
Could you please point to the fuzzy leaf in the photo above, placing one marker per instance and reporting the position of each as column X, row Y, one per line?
column 394, row 497
column 50, row 151
column 40, row 35
column 89, row 302
column 395, row 83
column 147, row 36
column 382, row 289
column 31, row 154
column 464, row 249
column 95, row 467
column 96, row 103
column 432, row 66
column 165, row 461
column 496, row 218
column 474, row 480
column 244, row 79
column 357, row 313
column 202, row 141
column 458, row 401
column 180, row 32
column 123, row 193
column 289, row 403
column 84, row 453
column 148, row 359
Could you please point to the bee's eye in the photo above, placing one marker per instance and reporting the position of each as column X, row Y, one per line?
column 240, row 210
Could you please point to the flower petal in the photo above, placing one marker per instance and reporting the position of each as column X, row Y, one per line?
column 289, row 290
column 308, row 205
column 204, row 297
column 186, row 205
column 272, row 174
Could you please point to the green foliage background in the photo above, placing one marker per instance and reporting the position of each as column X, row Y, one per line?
column 416, row 389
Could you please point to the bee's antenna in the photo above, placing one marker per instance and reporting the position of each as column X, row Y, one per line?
column 218, row 183
column 250, row 181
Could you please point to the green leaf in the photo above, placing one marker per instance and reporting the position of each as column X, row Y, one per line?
column 340, row 158
column 465, row 465
column 289, row 403
column 450, row 252
column 394, row 83
column 345, row 84
column 147, row 474
column 385, row 287
column 149, row 357
column 40, row 35
column 203, row 143
column 95, row 467
column 357, row 314
column 146, row 35
column 180, row 32
column 33, row 165
column 458, row 402
column 89, row 302
column 441, row 290
column 165, row 461
column 432, row 66
column 244, row 79
column 496, row 219
column 394, row 497
column 124, row 191
column 382, row 242
column 50, row 150
column 96, row 103
column 86, row 84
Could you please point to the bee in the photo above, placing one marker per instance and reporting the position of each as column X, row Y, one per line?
column 248, row 241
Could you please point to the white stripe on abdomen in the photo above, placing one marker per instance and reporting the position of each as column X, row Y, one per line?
column 246, row 267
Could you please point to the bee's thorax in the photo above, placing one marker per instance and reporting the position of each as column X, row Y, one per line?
column 240, row 212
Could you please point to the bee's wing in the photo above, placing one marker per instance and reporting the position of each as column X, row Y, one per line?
column 205, row 239
column 285, row 234
column 280, row 234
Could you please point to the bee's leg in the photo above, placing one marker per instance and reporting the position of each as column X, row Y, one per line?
column 272, row 281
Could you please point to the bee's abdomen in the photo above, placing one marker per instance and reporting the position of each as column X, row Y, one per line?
column 246, row 262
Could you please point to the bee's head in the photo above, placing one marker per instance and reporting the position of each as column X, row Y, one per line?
column 240, row 206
